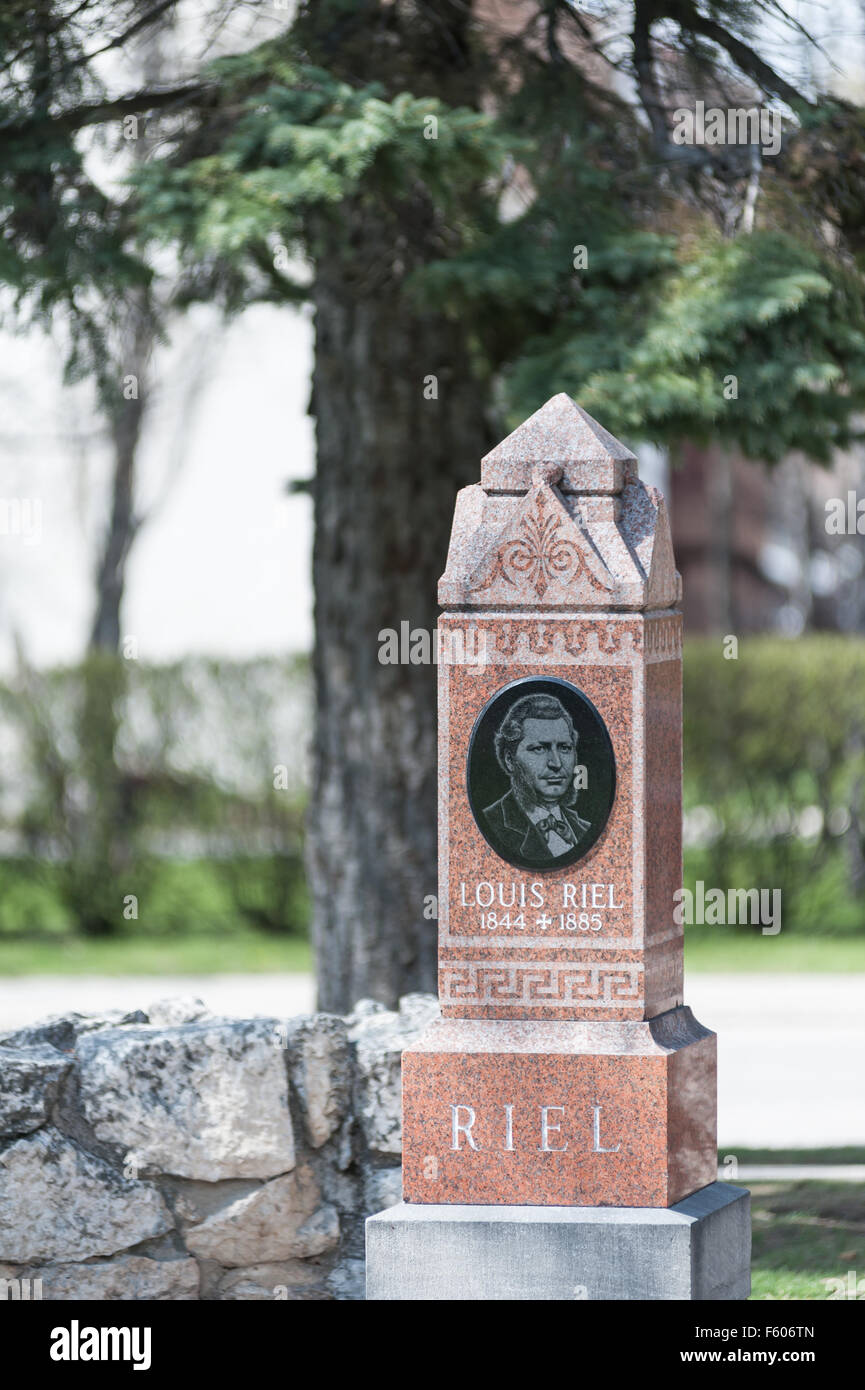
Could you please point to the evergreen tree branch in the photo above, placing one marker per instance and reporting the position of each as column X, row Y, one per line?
column 645, row 11
column 688, row 17
column 143, row 22
column 95, row 113
column 45, row 31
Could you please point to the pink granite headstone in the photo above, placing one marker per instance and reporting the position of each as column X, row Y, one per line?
column 566, row 1069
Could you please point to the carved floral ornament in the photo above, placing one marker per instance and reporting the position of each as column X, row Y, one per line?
column 539, row 554
column 560, row 518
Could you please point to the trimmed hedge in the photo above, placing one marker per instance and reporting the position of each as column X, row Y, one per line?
column 165, row 796
column 774, row 761
column 184, row 787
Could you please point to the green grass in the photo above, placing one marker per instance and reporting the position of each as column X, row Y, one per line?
column 817, row 896
column 211, row 952
column 191, row 923
column 239, row 953
column 723, row 949
column 805, row 1235
column 175, row 896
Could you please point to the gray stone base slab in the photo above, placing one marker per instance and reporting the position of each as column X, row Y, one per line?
column 698, row 1249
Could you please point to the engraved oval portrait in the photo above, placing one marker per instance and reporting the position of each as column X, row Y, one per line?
column 541, row 773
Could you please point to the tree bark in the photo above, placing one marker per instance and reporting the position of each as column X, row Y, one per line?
column 389, row 466
column 137, row 338
column 98, row 876
column 126, row 420
column 720, row 500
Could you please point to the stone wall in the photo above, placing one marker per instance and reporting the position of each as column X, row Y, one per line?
column 172, row 1154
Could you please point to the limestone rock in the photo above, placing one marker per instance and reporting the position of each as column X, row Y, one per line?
column 343, row 1189
column 379, row 1038
column 17, row 1285
column 382, row 1189
column 198, row 1100
column 63, row 1030
column 280, row 1220
column 418, row 1011
column 126, row 1277
column 347, row 1283
column 193, row 1201
column 60, row 1203
column 184, row 1008
column 319, row 1066
column 364, row 1007
column 287, row 1281
column 29, row 1081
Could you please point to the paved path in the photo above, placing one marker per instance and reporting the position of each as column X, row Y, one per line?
column 791, row 1047
column 29, row 997
column 791, row 1057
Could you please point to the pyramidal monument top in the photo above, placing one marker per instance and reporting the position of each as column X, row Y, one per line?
column 560, row 435
column 560, row 519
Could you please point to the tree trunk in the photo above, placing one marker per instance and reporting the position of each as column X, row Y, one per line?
column 390, row 463
column 720, row 501
column 138, row 336
column 122, row 525
column 100, row 879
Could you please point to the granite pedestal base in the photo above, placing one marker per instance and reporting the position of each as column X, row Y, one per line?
column 698, row 1249
column 585, row 1113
